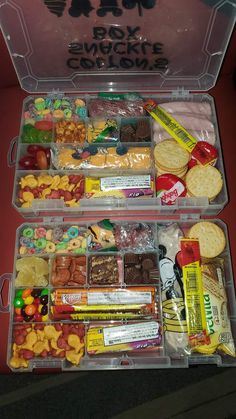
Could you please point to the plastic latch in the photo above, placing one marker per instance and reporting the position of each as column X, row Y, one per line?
column 11, row 154
column 56, row 220
column 55, row 93
column 186, row 217
column 180, row 93
column 3, row 279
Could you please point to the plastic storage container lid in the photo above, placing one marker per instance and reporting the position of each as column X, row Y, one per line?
column 115, row 45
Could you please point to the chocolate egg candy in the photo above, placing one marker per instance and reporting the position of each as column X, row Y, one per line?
column 28, row 318
column 18, row 302
column 44, row 299
column 36, row 293
column 44, row 310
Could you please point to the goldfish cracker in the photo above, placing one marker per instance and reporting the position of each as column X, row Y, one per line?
column 16, row 362
column 30, row 340
column 45, row 192
column 51, row 332
column 74, row 342
column 28, row 196
column 56, row 181
column 74, row 357
column 31, row 181
column 45, row 180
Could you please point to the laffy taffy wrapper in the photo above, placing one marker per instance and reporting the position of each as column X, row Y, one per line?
column 136, row 337
column 64, row 341
column 119, row 187
column 215, row 303
column 70, row 189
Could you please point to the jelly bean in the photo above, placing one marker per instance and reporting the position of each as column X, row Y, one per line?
column 18, row 319
column 44, row 291
column 37, row 317
column 44, row 310
column 37, row 301
column 44, row 299
column 18, row 302
column 18, row 311
column 30, row 309
column 40, row 307
column 19, row 293
column 45, row 318
column 26, row 293
column 29, row 300
column 36, row 293
column 28, row 232
column 28, row 318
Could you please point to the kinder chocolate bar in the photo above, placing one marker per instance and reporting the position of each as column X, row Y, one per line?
column 122, row 338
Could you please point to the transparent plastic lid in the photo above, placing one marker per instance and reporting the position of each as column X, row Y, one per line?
column 115, row 45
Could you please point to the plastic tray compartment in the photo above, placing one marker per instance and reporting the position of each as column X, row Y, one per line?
column 154, row 357
column 130, row 206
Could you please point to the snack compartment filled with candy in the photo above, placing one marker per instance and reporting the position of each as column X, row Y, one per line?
column 149, row 293
column 106, row 137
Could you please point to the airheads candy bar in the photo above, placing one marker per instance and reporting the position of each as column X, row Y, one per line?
column 134, row 186
column 104, row 303
column 122, row 338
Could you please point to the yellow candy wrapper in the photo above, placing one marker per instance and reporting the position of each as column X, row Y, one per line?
column 215, row 303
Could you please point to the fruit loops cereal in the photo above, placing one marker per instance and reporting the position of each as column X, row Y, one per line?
column 64, row 341
column 31, row 305
column 68, row 188
column 31, row 271
column 49, row 108
column 67, row 270
column 65, row 239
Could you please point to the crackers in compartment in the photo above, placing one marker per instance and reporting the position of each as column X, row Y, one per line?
column 204, row 181
column 211, row 238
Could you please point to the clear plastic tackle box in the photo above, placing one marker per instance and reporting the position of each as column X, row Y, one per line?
column 65, row 55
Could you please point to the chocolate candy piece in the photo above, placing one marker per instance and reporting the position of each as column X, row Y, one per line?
column 103, row 270
column 142, row 131
column 141, row 268
column 127, row 134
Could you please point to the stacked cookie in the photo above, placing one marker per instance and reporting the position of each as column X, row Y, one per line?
column 170, row 157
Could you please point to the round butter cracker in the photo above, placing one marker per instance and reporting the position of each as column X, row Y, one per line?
column 204, row 181
column 211, row 238
column 170, row 154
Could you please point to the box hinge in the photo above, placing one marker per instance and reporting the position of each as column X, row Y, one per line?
column 56, row 220
column 187, row 217
column 56, row 94
column 180, row 93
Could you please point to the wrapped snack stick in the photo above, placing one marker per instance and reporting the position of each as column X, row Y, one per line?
column 122, row 338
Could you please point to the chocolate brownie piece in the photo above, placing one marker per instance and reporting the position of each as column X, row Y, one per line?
column 103, row 270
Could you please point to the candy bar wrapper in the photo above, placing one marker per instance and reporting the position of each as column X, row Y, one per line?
column 104, row 303
column 119, row 186
column 101, row 236
column 215, row 303
column 173, row 306
column 145, row 336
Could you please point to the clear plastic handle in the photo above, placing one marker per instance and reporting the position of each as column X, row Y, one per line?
column 3, row 279
column 11, row 154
